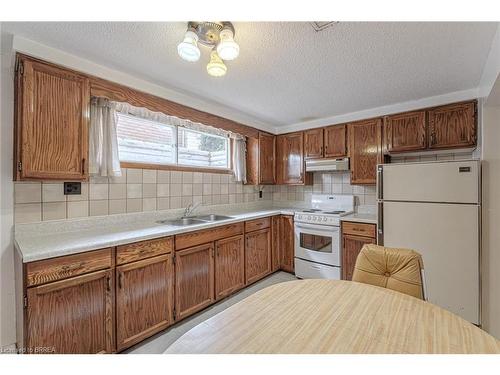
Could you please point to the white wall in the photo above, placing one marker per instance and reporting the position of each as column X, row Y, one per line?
column 491, row 220
column 7, row 309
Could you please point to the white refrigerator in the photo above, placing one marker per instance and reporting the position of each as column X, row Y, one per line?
column 435, row 209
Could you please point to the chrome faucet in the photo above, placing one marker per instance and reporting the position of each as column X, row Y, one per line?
column 188, row 211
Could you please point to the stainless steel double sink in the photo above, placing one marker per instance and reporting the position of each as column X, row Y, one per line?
column 193, row 220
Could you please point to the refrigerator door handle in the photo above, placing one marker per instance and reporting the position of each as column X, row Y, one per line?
column 380, row 182
column 380, row 223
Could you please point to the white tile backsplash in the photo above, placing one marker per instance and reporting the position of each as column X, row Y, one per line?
column 53, row 192
column 54, row 211
column 99, row 207
column 135, row 191
column 134, row 176
column 77, row 209
column 148, row 176
column 28, row 193
column 99, row 191
column 117, row 191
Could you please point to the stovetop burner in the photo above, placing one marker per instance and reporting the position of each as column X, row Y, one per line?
column 319, row 211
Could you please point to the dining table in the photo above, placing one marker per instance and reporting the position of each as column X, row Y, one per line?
column 334, row 316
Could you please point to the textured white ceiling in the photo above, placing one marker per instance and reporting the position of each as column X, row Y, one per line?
column 286, row 72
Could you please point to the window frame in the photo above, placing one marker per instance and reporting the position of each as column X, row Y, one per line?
column 183, row 167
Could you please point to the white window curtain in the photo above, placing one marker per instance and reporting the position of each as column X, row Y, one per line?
column 238, row 157
column 103, row 143
column 239, row 160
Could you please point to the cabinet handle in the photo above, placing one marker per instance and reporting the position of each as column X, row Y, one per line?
column 120, row 280
column 433, row 138
column 109, row 283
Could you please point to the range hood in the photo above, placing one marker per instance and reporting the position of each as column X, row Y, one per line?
column 327, row 165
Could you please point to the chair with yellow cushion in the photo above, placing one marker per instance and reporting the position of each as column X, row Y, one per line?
column 397, row 269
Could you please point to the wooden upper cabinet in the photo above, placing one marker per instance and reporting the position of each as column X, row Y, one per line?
column 267, row 158
column 194, row 279
column 52, row 120
column 453, row 125
column 287, row 249
column 365, row 138
column 229, row 266
column 144, row 299
column 261, row 159
column 405, row 132
column 290, row 168
column 335, row 141
column 73, row 315
column 313, row 143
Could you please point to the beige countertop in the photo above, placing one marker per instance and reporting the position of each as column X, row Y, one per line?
column 360, row 218
column 52, row 239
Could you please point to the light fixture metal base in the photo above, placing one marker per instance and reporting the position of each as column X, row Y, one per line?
column 208, row 32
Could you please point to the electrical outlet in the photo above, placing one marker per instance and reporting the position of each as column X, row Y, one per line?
column 72, row 188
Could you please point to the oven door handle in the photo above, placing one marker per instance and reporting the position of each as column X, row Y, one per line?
column 319, row 228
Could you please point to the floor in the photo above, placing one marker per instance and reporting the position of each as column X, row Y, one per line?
column 158, row 343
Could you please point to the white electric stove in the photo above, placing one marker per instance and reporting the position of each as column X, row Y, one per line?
column 317, row 236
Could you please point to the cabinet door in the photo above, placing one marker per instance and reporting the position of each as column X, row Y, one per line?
column 453, row 126
column 405, row 132
column 365, row 150
column 313, row 143
column 267, row 158
column 229, row 266
column 257, row 255
column 194, row 279
column 351, row 247
column 144, row 299
column 287, row 250
column 275, row 245
column 290, row 165
column 52, row 123
column 72, row 316
column 336, row 141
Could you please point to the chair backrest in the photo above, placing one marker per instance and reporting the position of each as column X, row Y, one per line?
column 397, row 269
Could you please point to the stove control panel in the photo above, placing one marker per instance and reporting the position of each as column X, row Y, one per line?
column 317, row 219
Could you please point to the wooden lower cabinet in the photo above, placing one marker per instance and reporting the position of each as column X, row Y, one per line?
column 71, row 316
column 144, row 299
column 107, row 300
column 354, row 237
column 229, row 266
column 275, row 246
column 194, row 279
column 287, row 250
column 257, row 255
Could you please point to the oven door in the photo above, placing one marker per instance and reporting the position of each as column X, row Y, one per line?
column 318, row 243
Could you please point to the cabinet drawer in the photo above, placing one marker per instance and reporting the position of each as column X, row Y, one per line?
column 358, row 229
column 257, row 224
column 143, row 250
column 48, row 270
column 200, row 237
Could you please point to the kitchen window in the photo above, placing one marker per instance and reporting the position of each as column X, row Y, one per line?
column 146, row 141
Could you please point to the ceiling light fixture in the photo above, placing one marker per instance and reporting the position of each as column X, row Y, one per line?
column 219, row 36
column 216, row 67
column 188, row 48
